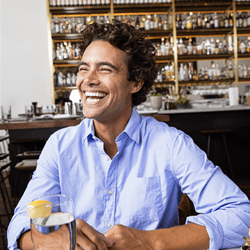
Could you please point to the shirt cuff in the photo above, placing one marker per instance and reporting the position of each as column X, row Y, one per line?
column 213, row 227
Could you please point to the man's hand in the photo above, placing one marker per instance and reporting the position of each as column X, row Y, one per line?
column 88, row 238
column 188, row 237
column 128, row 238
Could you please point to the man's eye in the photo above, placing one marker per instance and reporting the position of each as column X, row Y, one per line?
column 82, row 69
column 106, row 69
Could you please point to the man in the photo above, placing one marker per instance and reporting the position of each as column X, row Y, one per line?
column 126, row 173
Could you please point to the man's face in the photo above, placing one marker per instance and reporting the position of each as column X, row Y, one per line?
column 102, row 82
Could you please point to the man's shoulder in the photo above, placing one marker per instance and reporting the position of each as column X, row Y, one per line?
column 150, row 126
column 71, row 131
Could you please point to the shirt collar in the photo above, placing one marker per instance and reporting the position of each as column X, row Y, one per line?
column 132, row 129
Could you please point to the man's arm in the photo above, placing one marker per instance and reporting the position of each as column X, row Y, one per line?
column 87, row 238
column 190, row 236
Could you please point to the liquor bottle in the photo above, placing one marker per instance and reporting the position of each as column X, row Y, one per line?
column 151, row 23
column 147, row 22
column 156, row 24
column 211, row 22
column 79, row 26
column 58, row 2
column 177, row 22
column 142, row 23
column 244, row 20
column 225, row 48
column 73, row 25
column 216, row 21
column 137, row 23
column 205, row 76
column 71, row 2
column 163, row 48
column 231, row 20
column 75, row 2
column 58, row 52
column 240, row 20
column 170, row 21
column 226, row 21
column 180, row 22
column 160, row 25
column 70, row 51
column 222, row 22
column 190, row 47
column 199, row 21
column 56, row 25
column 195, row 75
column 208, row 46
column 212, row 45
column 208, row 22
column 167, row 47
column 184, row 22
column 217, row 49
column 204, row 20
column 248, row 19
column 194, row 22
column 165, row 24
column 189, row 22
column 230, row 45
column 248, row 45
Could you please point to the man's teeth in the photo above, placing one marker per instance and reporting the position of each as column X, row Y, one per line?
column 93, row 100
column 97, row 94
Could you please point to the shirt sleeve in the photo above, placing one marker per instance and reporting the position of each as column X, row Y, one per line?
column 45, row 181
column 221, row 206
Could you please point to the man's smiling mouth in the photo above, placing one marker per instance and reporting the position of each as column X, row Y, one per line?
column 94, row 96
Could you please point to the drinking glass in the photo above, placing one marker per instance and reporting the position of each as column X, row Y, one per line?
column 58, row 230
column 29, row 112
column 6, row 113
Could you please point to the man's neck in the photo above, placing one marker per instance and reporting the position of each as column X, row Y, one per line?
column 108, row 131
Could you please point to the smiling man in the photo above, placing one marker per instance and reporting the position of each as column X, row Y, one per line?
column 126, row 173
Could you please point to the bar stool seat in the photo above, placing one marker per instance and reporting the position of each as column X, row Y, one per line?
column 27, row 165
column 29, row 155
column 210, row 134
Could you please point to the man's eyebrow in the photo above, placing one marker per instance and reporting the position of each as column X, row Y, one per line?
column 99, row 64
column 108, row 64
column 82, row 63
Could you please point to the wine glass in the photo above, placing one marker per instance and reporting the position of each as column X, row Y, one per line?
column 52, row 222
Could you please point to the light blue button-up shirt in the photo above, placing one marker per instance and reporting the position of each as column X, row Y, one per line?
column 141, row 187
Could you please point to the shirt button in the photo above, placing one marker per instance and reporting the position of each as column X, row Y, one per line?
column 107, row 159
column 110, row 192
column 108, row 225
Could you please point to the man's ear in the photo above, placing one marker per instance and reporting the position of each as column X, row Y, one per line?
column 136, row 86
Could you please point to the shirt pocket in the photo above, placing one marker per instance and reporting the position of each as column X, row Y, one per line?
column 141, row 201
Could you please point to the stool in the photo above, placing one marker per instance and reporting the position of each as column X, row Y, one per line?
column 26, row 165
column 222, row 133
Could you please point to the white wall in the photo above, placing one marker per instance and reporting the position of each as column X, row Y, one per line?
column 25, row 71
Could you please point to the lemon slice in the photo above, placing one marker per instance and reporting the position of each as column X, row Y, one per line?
column 39, row 209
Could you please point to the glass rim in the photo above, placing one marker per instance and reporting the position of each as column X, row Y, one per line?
column 53, row 195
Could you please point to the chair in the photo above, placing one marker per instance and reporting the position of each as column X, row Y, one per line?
column 25, row 166
column 5, row 175
column 3, row 235
column 220, row 134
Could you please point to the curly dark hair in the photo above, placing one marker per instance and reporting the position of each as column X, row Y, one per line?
column 140, row 51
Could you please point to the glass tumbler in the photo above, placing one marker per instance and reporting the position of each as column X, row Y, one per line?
column 55, row 229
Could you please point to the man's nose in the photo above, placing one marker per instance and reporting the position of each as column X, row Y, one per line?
column 91, row 78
